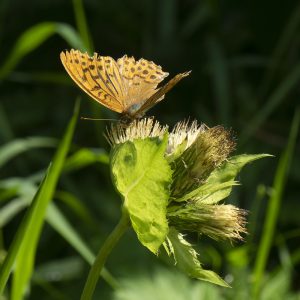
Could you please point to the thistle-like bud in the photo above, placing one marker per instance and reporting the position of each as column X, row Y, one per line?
column 138, row 129
column 174, row 182
column 209, row 149
column 220, row 222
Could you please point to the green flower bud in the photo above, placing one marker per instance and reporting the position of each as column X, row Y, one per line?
column 219, row 222
column 209, row 150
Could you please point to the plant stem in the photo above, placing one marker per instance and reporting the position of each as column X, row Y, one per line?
column 273, row 209
column 105, row 250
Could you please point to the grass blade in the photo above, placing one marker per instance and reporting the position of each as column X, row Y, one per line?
column 8, row 211
column 273, row 207
column 82, row 25
column 77, row 207
column 57, row 220
column 70, row 35
column 23, row 247
column 18, row 238
column 16, row 147
column 85, row 157
column 33, row 37
column 26, row 254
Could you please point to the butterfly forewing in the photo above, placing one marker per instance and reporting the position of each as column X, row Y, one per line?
column 108, row 72
column 71, row 63
column 100, row 83
column 159, row 95
column 92, row 77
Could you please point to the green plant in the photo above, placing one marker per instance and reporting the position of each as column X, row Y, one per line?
column 172, row 182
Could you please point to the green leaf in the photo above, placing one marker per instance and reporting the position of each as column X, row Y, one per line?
column 210, row 193
column 85, row 157
column 186, row 259
column 142, row 176
column 219, row 184
column 17, row 146
column 163, row 284
column 34, row 37
column 23, row 248
column 229, row 170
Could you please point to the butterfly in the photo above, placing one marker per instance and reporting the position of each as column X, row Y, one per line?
column 126, row 86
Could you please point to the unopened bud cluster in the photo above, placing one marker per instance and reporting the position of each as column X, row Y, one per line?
column 194, row 152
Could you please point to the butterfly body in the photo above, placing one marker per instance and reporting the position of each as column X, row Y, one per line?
column 126, row 86
column 134, row 108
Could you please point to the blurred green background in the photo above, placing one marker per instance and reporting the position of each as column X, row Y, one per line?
column 245, row 62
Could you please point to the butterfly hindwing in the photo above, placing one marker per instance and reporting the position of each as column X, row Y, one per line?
column 140, row 79
column 159, row 95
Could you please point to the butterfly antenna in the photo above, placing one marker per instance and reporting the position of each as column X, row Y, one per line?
column 92, row 119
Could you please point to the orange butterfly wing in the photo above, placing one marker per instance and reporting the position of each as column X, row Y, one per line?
column 159, row 95
column 126, row 86
column 140, row 78
column 99, row 77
